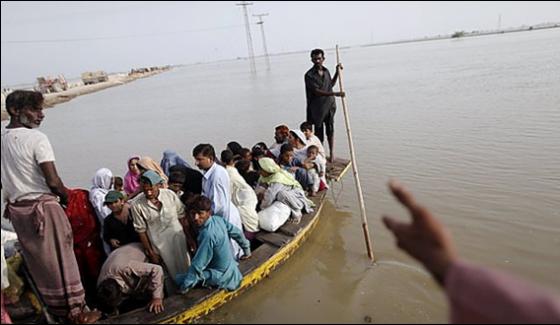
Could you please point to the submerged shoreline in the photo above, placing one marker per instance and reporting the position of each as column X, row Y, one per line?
column 52, row 99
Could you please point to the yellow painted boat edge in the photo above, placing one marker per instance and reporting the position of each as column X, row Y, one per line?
column 249, row 280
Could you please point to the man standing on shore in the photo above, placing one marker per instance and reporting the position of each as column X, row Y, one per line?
column 321, row 105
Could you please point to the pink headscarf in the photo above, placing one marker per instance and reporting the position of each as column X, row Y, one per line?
column 131, row 183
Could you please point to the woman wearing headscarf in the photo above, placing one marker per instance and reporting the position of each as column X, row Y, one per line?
column 299, row 142
column 171, row 158
column 101, row 185
column 283, row 187
column 131, row 183
column 147, row 163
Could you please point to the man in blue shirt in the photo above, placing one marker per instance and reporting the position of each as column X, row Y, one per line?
column 213, row 265
column 216, row 187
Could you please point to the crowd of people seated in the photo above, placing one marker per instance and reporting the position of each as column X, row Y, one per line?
column 165, row 227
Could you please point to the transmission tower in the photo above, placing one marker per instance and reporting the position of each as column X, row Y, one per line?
column 244, row 4
column 499, row 22
column 261, row 22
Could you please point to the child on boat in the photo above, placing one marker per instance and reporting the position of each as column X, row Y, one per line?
column 318, row 166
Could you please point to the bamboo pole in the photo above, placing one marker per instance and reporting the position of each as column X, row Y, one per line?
column 354, row 164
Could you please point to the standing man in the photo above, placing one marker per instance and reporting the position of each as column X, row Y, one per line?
column 34, row 192
column 321, row 105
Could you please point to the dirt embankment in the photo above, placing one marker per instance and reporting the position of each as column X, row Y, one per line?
column 114, row 80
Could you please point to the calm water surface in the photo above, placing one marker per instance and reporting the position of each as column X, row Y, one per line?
column 470, row 125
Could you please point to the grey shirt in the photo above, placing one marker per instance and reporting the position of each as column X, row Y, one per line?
column 318, row 106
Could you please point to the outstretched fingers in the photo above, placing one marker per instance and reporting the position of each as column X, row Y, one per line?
column 425, row 239
column 418, row 212
column 402, row 195
column 394, row 225
column 401, row 230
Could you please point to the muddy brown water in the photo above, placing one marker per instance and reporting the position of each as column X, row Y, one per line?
column 470, row 125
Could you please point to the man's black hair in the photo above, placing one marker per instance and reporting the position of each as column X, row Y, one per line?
column 226, row 156
column 200, row 203
column 177, row 177
column 20, row 99
column 235, row 147
column 286, row 147
column 109, row 296
column 317, row 52
column 206, row 150
column 306, row 126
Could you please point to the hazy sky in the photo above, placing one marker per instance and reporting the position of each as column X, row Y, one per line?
column 49, row 38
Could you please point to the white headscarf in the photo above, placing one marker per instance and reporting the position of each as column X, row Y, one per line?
column 102, row 182
column 300, row 135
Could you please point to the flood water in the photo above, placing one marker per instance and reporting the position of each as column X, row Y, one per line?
column 470, row 125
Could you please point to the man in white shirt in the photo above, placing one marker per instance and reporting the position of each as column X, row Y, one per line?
column 28, row 168
column 157, row 214
column 242, row 196
column 33, row 191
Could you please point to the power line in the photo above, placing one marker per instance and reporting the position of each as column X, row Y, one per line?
column 102, row 38
column 244, row 4
column 261, row 22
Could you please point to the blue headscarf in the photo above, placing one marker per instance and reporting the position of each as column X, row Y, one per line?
column 171, row 158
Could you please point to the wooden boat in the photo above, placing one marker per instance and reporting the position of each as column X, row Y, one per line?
column 276, row 248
